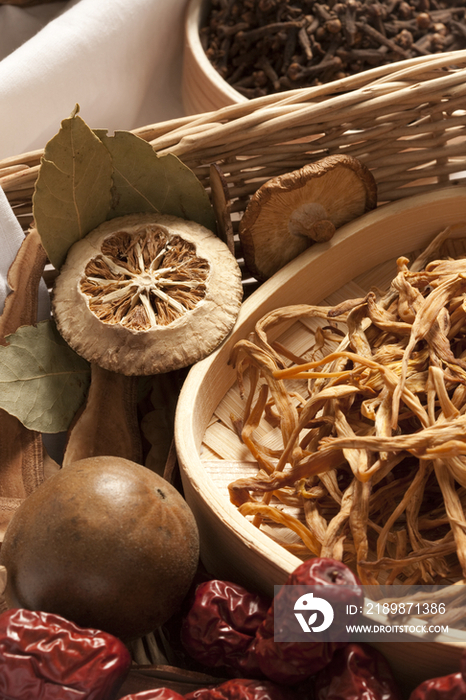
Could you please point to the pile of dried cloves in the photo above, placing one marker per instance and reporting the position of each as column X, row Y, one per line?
column 266, row 46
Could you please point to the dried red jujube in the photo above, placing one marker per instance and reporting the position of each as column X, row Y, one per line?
column 244, row 689
column 356, row 671
column 293, row 662
column 219, row 628
column 450, row 687
column 44, row 656
column 154, row 694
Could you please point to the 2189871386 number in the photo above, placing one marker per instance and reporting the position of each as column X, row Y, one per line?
column 405, row 608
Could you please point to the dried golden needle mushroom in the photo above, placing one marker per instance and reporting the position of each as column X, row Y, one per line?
column 290, row 212
column 147, row 293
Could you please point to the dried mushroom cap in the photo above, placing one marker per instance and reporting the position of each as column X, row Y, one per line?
column 147, row 293
column 292, row 211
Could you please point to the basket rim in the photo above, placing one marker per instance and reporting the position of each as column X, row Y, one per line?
column 395, row 77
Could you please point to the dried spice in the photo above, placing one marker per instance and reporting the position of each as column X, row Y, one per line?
column 73, row 186
column 43, row 381
column 221, row 203
column 372, row 425
column 147, row 293
column 266, row 46
column 145, row 181
column 86, row 177
column 157, row 422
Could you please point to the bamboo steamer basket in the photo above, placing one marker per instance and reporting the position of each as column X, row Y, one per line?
column 362, row 254
column 407, row 123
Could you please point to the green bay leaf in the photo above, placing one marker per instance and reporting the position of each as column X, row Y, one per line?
column 143, row 181
column 73, row 189
column 43, row 382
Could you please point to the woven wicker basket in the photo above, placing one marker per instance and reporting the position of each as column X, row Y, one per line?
column 406, row 122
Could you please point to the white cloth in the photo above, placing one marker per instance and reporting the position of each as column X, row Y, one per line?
column 18, row 24
column 120, row 60
column 11, row 237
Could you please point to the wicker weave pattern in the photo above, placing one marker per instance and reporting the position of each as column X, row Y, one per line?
column 406, row 121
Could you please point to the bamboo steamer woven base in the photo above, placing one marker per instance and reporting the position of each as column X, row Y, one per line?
column 362, row 254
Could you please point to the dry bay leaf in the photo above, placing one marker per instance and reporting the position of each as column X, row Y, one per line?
column 43, row 381
column 143, row 181
column 73, row 189
column 87, row 177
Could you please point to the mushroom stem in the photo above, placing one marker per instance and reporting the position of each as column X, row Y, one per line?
column 321, row 231
column 310, row 220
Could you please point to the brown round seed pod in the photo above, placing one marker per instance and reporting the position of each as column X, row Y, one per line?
column 147, row 293
column 105, row 543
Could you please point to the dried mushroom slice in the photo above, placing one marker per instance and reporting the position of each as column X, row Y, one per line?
column 290, row 212
column 147, row 293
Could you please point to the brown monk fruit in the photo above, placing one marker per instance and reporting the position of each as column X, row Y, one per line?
column 105, row 543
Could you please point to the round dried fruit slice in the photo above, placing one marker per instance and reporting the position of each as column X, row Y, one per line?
column 290, row 212
column 147, row 293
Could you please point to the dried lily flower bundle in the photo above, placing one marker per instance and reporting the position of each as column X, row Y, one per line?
column 373, row 427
